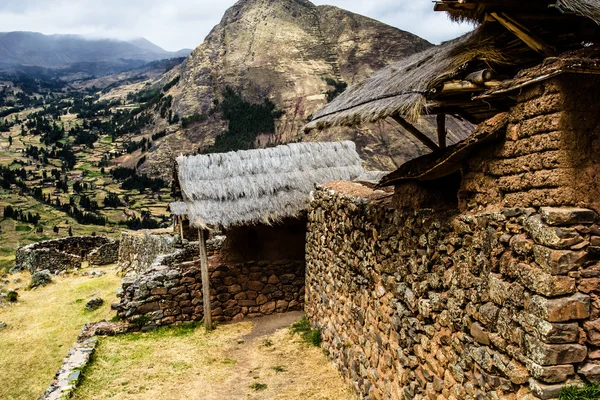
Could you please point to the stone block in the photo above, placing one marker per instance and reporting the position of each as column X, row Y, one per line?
column 557, row 262
column 268, row 308
column 480, row 334
column 543, row 283
column 551, row 373
column 592, row 329
column 545, row 391
column 553, row 354
column 550, row 236
column 562, row 309
column 567, row 216
column 549, row 332
column 147, row 308
column 590, row 371
column 589, row 285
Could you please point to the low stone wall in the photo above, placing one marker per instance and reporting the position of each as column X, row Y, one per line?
column 166, row 295
column 63, row 254
column 140, row 252
column 106, row 254
column 416, row 305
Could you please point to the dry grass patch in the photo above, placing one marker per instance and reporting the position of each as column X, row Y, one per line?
column 190, row 363
column 41, row 327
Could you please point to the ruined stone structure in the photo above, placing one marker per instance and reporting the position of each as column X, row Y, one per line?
column 166, row 295
column 67, row 253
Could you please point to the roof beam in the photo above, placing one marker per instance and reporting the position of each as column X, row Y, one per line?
column 417, row 133
column 441, row 130
column 523, row 33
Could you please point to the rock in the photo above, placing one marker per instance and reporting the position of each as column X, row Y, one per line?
column 543, row 391
column 592, row 329
column 544, row 283
column 556, row 238
column 41, row 278
column 12, row 296
column 550, row 374
column 2, row 324
column 567, row 216
column 94, row 304
column 17, row 269
column 557, row 262
column 480, row 334
column 590, row 371
column 562, row 309
column 553, row 354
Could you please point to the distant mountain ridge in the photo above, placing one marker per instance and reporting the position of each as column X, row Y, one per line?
column 53, row 51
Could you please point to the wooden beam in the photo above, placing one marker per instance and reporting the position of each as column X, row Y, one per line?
column 417, row 133
column 523, row 33
column 205, row 280
column 441, row 130
column 181, row 226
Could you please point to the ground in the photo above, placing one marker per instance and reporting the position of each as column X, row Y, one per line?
column 232, row 362
column 43, row 324
column 255, row 359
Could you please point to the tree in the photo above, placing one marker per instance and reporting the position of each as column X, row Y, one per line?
column 70, row 231
column 10, row 140
column 56, row 229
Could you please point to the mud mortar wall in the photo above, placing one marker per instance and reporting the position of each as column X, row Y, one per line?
column 425, row 305
column 166, row 295
column 551, row 155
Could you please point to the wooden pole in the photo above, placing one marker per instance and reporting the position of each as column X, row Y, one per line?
column 417, row 133
column 441, row 130
column 205, row 280
column 180, row 226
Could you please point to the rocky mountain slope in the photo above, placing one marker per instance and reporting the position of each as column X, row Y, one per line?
column 292, row 53
column 51, row 51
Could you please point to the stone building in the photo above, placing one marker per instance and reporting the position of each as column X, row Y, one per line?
column 259, row 199
column 479, row 278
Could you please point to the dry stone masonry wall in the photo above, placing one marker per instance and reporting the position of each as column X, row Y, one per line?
column 66, row 253
column 424, row 305
column 170, row 294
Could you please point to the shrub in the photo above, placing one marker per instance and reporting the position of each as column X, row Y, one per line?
column 589, row 391
column 309, row 335
column 258, row 386
column 12, row 296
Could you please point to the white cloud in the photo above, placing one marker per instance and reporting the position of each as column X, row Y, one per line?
column 176, row 24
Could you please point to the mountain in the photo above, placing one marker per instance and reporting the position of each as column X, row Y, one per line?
column 52, row 51
column 292, row 53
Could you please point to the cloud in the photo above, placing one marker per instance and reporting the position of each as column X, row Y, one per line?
column 177, row 24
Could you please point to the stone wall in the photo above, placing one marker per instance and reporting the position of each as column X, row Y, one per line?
column 65, row 253
column 416, row 305
column 105, row 254
column 142, row 251
column 165, row 295
column 551, row 153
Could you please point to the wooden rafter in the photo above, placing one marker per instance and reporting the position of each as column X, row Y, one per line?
column 417, row 133
column 523, row 33
column 441, row 130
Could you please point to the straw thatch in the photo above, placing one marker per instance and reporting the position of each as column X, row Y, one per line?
column 178, row 208
column 402, row 88
column 261, row 186
column 583, row 8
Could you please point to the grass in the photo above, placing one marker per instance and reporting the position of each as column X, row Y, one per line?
column 309, row 335
column 42, row 325
column 589, row 391
column 217, row 364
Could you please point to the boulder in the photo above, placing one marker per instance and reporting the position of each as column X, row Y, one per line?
column 41, row 278
column 94, row 304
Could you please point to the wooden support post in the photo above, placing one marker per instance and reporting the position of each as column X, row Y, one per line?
column 180, row 226
column 205, row 280
column 523, row 33
column 441, row 130
column 417, row 133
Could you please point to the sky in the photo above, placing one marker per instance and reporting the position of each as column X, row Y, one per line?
column 177, row 24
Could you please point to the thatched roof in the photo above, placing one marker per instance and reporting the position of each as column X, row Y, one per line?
column 476, row 10
column 178, row 208
column 403, row 87
column 440, row 79
column 261, row 186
